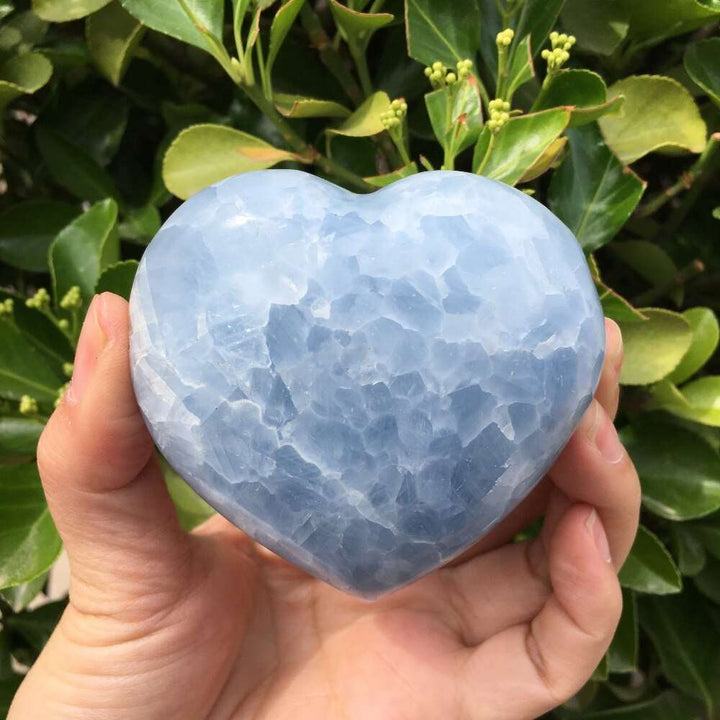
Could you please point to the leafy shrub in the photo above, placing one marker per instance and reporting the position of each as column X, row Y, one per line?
column 112, row 110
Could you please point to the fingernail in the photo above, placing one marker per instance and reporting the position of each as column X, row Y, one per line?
column 93, row 339
column 615, row 341
column 608, row 442
column 597, row 532
column 590, row 421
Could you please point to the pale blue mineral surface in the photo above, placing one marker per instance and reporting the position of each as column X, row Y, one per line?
column 364, row 384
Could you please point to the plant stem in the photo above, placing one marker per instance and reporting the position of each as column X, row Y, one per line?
column 261, row 65
column 328, row 55
column 360, row 59
column 308, row 153
column 700, row 174
column 693, row 269
column 486, row 157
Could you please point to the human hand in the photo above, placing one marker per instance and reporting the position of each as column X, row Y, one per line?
column 164, row 625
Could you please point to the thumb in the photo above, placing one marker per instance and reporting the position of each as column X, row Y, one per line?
column 103, row 484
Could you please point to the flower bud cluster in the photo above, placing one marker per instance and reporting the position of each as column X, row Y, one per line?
column 393, row 117
column 40, row 300
column 504, row 38
column 440, row 75
column 560, row 53
column 499, row 115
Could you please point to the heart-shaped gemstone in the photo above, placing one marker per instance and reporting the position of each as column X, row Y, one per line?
column 364, row 384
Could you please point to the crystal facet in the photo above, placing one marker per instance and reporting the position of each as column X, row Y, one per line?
column 364, row 384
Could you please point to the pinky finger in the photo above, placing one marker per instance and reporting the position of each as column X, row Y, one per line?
column 529, row 669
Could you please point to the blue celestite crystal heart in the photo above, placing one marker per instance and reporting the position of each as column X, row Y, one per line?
column 364, row 384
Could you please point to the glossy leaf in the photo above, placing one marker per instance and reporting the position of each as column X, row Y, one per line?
column 20, row 596
column 520, row 144
column 599, row 27
column 649, row 567
column 19, row 436
column 682, row 631
column 281, row 24
column 74, row 169
column 623, row 651
column 652, row 22
column 440, row 30
column 27, row 229
column 702, row 62
column 81, row 251
column 169, row 17
column 698, row 400
column 551, row 158
column 118, row 278
column 689, row 549
column 456, row 115
column 537, row 19
column 356, row 26
column 705, row 336
column 365, row 121
column 389, row 178
column 21, row 33
column 140, row 224
column 650, row 262
column 521, row 70
column 654, row 348
column 65, row 10
column 296, row 106
column 29, row 542
column 591, row 192
column 708, row 580
column 204, row 154
column 658, row 113
column 112, row 37
column 23, row 75
column 582, row 90
column 24, row 369
column 679, row 471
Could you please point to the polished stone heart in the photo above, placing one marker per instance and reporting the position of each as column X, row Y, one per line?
column 364, row 384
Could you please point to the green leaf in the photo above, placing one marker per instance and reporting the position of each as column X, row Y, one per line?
column 623, row 651
column 602, row 671
column 682, row 632
column 702, row 62
column 705, row 336
column 72, row 168
column 204, row 154
column 550, row 158
column 281, row 24
column 27, row 229
column 667, row 706
column 650, row 262
column 582, row 90
column 520, row 144
column 112, row 38
column 698, row 401
column 19, row 436
column 614, row 305
column 391, row 177
column 296, row 106
column 29, row 542
column 23, row 75
column 170, row 17
column 456, row 114
column 24, row 370
column 708, row 580
column 600, row 27
column 709, row 532
column 592, row 193
column 191, row 508
column 32, row 628
column 365, row 121
column 652, row 22
column 140, row 224
column 649, row 567
column 21, row 33
column 65, row 10
column 440, row 30
column 654, row 348
column 118, row 278
column 658, row 113
column 679, row 472
column 357, row 27
column 689, row 549
column 521, row 70
column 20, row 596
column 83, row 249
column 537, row 19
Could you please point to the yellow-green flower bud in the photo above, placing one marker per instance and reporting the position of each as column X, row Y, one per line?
column 438, row 66
column 67, row 369
column 28, row 405
column 504, row 38
column 451, row 78
column 428, row 72
column 6, row 308
column 40, row 300
column 61, row 393
column 63, row 324
column 72, row 300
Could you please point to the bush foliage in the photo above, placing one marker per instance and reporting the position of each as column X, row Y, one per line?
column 607, row 112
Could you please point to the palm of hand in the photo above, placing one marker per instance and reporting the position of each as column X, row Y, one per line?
column 162, row 624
